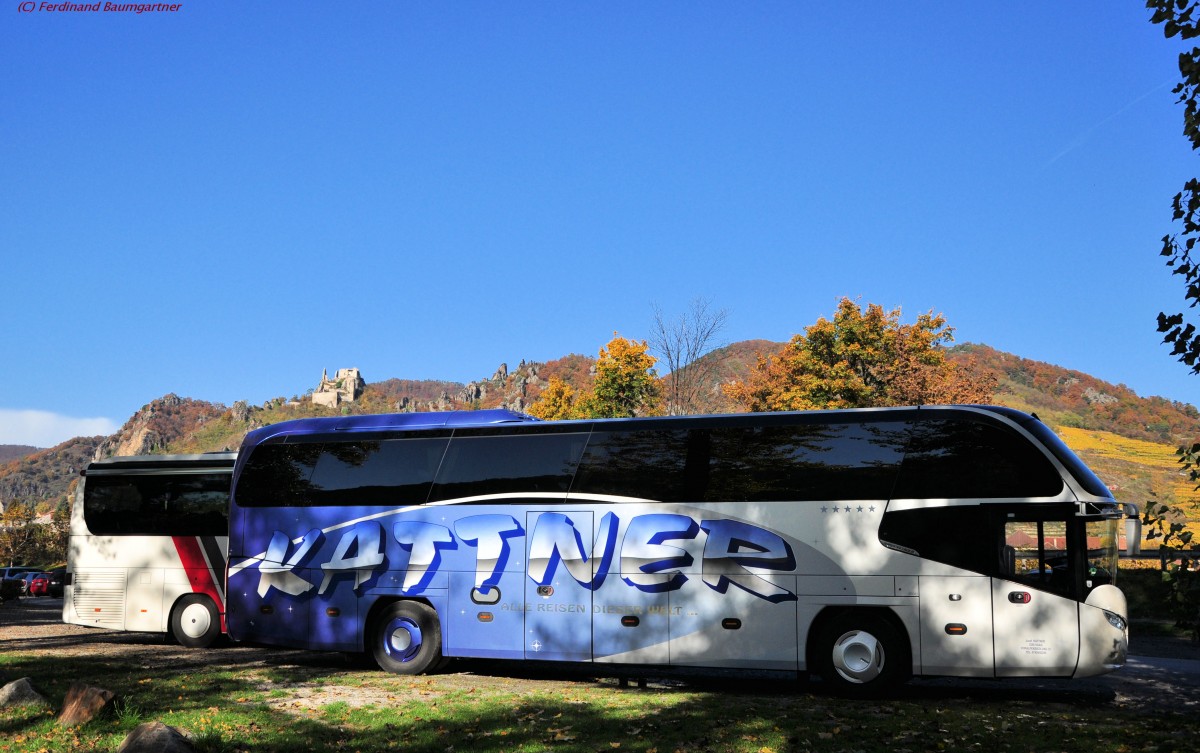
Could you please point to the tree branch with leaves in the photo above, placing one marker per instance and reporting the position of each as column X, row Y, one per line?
column 1180, row 18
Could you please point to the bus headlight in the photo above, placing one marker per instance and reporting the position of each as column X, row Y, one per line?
column 1115, row 620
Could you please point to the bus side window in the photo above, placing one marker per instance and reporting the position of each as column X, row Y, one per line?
column 489, row 464
column 644, row 464
column 960, row 459
column 1040, row 553
column 955, row 535
column 278, row 474
column 805, row 462
column 369, row 472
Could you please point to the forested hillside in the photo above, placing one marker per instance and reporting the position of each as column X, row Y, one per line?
column 1129, row 440
column 1062, row 397
column 10, row 452
column 45, row 476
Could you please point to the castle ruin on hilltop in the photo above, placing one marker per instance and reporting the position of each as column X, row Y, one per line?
column 346, row 386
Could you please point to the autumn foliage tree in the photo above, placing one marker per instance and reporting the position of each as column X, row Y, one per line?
column 625, row 385
column 556, row 403
column 626, row 382
column 862, row 359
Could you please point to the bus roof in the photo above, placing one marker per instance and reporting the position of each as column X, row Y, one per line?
column 164, row 463
column 388, row 422
column 403, row 422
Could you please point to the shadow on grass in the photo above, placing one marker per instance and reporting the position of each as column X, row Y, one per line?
column 241, row 697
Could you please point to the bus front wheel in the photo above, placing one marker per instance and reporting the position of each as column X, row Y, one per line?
column 407, row 639
column 195, row 622
column 862, row 655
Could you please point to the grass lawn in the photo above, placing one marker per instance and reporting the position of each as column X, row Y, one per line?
column 241, row 699
column 322, row 705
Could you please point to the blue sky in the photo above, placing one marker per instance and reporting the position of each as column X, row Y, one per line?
column 222, row 201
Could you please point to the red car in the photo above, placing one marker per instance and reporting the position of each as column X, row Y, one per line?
column 40, row 585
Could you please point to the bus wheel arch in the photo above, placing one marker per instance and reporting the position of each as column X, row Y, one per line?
column 860, row 652
column 405, row 637
column 195, row 622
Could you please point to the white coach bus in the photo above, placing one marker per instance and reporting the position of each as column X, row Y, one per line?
column 148, row 541
column 865, row 546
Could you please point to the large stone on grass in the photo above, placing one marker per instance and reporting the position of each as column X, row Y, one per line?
column 83, row 703
column 156, row 737
column 21, row 693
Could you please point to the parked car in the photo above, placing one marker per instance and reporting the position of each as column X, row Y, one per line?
column 17, row 575
column 58, row 578
column 27, row 579
column 39, row 585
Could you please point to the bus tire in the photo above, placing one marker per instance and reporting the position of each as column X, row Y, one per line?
column 406, row 638
column 195, row 622
column 862, row 655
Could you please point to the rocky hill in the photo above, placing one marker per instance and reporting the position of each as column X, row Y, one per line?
column 159, row 424
column 1097, row 415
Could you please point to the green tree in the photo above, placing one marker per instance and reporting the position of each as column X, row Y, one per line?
column 862, row 359
column 18, row 532
column 1181, row 559
column 1180, row 18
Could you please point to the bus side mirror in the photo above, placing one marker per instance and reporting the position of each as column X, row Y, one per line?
column 1133, row 536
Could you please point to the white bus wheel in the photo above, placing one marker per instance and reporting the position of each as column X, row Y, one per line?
column 195, row 622
column 862, row 655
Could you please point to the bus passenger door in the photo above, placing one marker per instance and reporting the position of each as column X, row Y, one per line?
column 1037, row 624
column 558, row 595
column 485, row 602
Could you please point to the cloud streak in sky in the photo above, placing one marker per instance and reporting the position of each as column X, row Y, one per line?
column 45, row 429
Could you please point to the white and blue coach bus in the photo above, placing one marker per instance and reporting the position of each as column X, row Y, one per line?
column 866, row 546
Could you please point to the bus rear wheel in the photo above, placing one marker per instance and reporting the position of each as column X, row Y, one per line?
column 862, row 655
column 195, row 622
column 406, row 638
